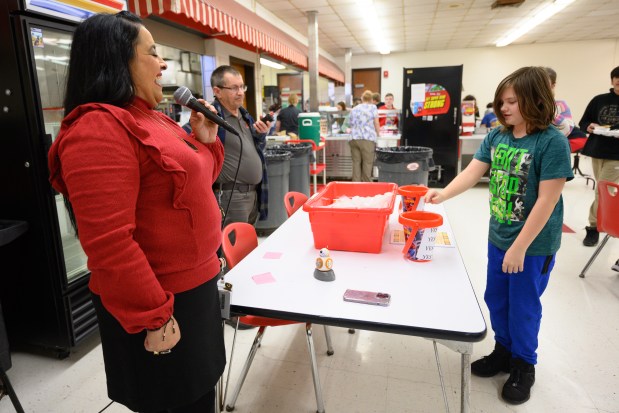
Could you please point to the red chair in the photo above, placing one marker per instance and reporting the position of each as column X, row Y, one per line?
column 608, row 211
column 239, row 239
column 576, row 145
column 293, row 201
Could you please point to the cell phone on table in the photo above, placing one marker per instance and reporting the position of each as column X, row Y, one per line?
column 367, row 297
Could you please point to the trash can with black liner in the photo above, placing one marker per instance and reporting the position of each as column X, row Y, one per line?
column 299, row 165
column 278, row 175
column 404, row 165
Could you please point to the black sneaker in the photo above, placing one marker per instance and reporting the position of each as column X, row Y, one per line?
column 495, row 362
column 517, row 389
column 592, row 237
column 615, row 266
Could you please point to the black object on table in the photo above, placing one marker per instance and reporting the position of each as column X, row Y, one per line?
column 9, row 231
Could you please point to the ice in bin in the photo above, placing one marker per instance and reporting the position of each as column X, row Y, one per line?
column 349, row 229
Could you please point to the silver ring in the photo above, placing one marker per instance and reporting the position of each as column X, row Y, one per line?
column 162, row 352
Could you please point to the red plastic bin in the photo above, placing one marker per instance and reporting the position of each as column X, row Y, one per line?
column 349, row 229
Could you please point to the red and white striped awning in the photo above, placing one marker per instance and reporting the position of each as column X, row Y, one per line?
column 245, row 30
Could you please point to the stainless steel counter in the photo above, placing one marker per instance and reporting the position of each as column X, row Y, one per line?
column 339, row 159
column 337, row 152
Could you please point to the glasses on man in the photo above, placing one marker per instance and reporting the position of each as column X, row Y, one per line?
column 235, row 89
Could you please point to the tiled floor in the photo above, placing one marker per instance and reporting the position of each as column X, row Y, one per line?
column 578, row 368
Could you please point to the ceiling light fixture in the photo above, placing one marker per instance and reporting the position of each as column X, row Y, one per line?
column 542, row 14
column 271, row 63
column 367, row 10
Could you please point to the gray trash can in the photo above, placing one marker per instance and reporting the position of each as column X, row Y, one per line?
column 404, row 165
column 299, row 165
column 278, row 175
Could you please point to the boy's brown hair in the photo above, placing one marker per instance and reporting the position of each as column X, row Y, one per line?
column 535, row 99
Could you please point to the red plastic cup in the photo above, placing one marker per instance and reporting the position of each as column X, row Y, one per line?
column 420, row 228
column 412, row 197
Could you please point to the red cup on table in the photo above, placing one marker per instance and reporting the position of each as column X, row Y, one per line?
column 420, row 230
column 412, row 197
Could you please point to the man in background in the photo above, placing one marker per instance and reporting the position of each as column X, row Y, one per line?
column 388, row 121
column 241, row 188
column 602, row 111
column 376, row 100
column 288, row 119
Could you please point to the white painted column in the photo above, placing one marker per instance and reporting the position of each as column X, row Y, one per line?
column 348, row 77
column 312, row 58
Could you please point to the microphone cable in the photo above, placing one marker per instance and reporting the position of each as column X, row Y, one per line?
column 220, row 252
column 236, row 174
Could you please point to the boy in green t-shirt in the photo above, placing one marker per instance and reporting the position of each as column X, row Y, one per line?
column 529, row 162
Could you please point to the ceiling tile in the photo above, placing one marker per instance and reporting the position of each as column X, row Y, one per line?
column 436, row 24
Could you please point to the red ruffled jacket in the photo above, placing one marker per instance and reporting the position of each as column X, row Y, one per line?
column 147, row 217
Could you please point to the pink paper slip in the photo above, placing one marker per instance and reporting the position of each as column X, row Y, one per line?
column 264, row 278
column 272, row 255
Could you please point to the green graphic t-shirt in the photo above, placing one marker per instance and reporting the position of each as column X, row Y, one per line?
column 516, row 168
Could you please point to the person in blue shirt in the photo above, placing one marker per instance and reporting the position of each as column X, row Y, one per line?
column 529, row 162
column 489, row 120
column 363, row 121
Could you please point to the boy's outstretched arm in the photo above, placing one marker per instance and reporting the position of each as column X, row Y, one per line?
column 463, row 181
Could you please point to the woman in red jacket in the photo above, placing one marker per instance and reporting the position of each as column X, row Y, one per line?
column 140, row 191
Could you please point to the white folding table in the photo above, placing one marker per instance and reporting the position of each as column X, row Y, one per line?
column 432, row 299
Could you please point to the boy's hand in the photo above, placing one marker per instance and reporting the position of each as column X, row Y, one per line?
column 433, row 197
column 513, row 261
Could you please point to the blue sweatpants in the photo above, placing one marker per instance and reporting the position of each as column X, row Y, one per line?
column 514, row 302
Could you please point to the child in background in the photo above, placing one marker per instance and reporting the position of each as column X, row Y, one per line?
column 471, row 97
column 489, row 120
column 529, row 161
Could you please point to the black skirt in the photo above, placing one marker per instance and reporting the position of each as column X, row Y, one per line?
column 144, row 382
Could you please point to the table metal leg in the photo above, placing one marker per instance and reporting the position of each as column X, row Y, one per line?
column 222, row 388
column 466, row 349
column 465, row 385
column 315, row 376
column 440, row 376
column 330, row 351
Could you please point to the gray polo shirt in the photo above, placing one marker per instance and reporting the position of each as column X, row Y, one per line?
column 250, row 171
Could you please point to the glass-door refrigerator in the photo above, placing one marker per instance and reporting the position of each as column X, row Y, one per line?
column 43, row 275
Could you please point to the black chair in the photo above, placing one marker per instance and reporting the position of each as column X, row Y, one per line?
column 577, row 140
column 9, row 230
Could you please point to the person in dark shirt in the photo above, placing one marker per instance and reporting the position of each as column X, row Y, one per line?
column 288, row 118
column 603, row 110
column 376, row 100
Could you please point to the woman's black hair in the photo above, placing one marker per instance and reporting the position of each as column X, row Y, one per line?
column 103, row 46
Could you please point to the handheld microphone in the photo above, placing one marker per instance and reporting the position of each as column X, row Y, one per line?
column 183, row 97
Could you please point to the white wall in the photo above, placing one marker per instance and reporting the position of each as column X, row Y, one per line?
column 583, row 68
column 269, row 78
